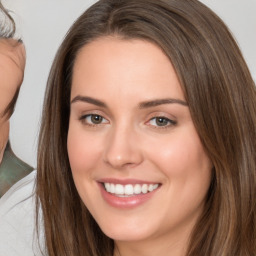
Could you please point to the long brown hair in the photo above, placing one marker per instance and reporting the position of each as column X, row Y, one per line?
column 222, row 100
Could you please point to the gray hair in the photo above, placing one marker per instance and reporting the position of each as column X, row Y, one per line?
column 7, row 24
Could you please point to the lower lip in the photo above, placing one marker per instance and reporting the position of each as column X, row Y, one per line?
column 126, row 202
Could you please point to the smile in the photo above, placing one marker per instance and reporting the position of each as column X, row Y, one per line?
column 129, row 189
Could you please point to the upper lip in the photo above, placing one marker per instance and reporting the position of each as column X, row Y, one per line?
column 126, row 181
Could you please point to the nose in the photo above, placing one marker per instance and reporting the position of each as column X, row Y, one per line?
column 122, row 149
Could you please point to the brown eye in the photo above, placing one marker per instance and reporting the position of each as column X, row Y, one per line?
column 93, row 119
column 96, row 119
column 161, row 122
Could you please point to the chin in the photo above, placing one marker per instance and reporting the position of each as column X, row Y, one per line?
column 121, row 231
column 126, row 235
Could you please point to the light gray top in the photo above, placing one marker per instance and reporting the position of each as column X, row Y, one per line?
column 17, row 220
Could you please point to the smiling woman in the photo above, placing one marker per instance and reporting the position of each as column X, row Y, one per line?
column 121, row 173
column 147, row 144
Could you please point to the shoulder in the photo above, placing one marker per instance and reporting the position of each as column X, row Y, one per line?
column 21, row 193
column 17, row 219
column 12, row 169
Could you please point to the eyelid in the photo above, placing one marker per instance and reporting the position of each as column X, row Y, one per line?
column 83, row 113
column 87, row 115
column 172, row 121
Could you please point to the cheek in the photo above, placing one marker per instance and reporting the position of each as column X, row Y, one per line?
column 83, row 152
column 186, row 166
column 187, row 171
column 181, row 153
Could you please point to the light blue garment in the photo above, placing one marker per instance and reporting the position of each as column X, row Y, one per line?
column 17, row 220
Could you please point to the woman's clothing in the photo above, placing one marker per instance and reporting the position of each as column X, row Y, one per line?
column 12, row 169
column 17, row 220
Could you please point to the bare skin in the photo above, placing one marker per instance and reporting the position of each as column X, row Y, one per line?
column 12, row 65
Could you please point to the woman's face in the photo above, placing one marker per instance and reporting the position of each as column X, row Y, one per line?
column 136, row 158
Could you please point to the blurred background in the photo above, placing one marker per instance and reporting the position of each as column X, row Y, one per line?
column 42, row 25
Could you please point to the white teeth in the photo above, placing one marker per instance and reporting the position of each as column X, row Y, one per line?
column 155, row 186
column 144, row 188
column 151, row 187
column 119, row 189
column 129, row 190
column 112, row 188
column 137, row 189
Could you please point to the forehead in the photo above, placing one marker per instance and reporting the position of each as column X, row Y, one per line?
column 116, row 65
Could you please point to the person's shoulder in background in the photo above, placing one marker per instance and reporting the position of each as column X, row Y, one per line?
column 12, row 169
column 17, row 219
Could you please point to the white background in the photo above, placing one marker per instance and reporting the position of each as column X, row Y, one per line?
column 42, row 25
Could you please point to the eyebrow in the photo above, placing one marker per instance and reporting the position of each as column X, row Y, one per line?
column 157, row 102
column 142, row 105
column 89, row 100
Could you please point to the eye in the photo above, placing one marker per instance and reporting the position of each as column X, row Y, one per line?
column 93, row 119
column 161, row 121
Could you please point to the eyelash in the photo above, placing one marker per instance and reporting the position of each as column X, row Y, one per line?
column 168, row 122
column 84, row 117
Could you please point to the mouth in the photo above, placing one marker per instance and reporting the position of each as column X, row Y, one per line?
column 129, row 190
column 127, row 194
